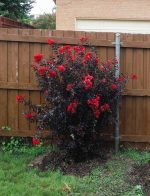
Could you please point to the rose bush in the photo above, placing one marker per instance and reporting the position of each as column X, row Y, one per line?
column 80, row 94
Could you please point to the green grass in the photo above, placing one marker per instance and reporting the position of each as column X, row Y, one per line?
column 16, row 179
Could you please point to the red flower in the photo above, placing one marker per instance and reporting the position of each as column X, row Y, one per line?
column 28, row 115
column 88, row 56
column 88, row 77
column 67, row 47
column 121, row 78
column 71, row 108
column 52, row 73
column 134, row 77
column 49, row 61
column 35, row 142
column 113, row 86
column 94, row 105
column 51, row 41
column 105, row 107
column 61, row 68
column 94, row 102
column 97, row 113
column 41, row 70
column 69, row 86
column 79, row 49
column 76, row 48
column 20, row 98
column 87, row 82
column 63, row 49
column 97, row 60
column 38, row 57
column 83, row 39
column 102, row 108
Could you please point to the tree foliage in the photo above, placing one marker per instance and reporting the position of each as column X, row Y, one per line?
column 45, row 21
column 16, row 9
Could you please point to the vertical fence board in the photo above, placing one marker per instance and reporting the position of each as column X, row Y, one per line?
column 3, row 78
column 24, row 77
column 12, row 77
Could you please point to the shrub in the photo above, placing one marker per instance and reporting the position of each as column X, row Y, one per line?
column 80, row 94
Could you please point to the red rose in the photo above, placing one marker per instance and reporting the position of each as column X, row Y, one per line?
column 133, row 76
column 107, row 107
column 41, row 70
column 51, row 41
column 38, row 57
column 69, row 86
column 94, row 102
column 121, row 78
column 71, row 108
column 28, row 115
column 61, row 50
column 52, row 73
column 79, row 49
column 97, row 60
column 88, row 56
column 102, row 108
column 49, row 61
column 83, row 39
column 20, row 98
column 113, row 86
column 87, row 84
column 35, row 142
column 97, row 113
column 61, row 68
column 88, row 77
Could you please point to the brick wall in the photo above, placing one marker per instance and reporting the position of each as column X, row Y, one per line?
column 69, row 10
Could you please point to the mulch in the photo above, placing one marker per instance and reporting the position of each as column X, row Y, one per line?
column 140, row 175
column 55, row 160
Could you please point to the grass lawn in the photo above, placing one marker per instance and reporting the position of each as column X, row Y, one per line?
column 16, row 179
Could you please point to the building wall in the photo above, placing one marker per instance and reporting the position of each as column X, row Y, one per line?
column 68, row 10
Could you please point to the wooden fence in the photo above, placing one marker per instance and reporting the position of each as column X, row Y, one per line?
column 9, row 23
column 17, row 48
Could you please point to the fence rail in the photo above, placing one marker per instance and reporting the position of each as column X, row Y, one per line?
column 17, row 48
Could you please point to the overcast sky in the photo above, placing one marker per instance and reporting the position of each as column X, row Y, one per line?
column 41, row 6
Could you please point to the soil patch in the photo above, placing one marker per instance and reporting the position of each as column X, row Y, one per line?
column 140, row 175
column 58, row 160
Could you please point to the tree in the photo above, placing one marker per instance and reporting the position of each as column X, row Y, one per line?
column 45, row 21
column 16, row 9
column 80, row 97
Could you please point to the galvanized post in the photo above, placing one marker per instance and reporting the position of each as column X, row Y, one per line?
column 117, row 73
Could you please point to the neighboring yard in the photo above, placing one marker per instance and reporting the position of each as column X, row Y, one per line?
column 111, row 178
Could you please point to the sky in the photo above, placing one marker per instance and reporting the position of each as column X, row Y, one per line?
column 42, row 6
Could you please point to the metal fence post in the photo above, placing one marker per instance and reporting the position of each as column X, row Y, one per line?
column 117, row 73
